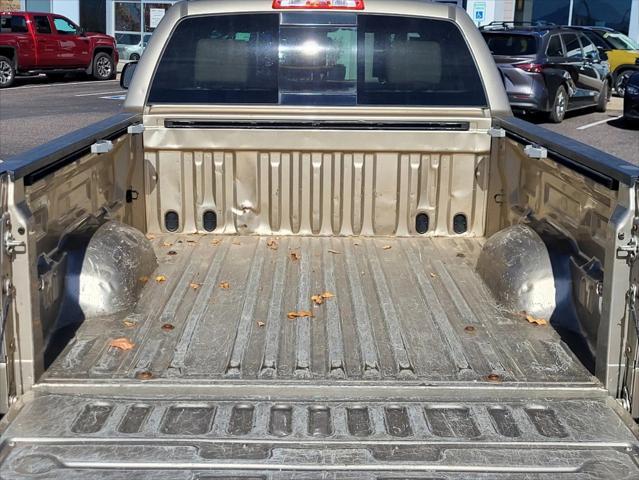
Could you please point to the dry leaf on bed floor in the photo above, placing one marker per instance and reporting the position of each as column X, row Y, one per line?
column 300, row 314
column 216, row 242
column 534, row 320
column 295, row 256
column 160, row 279
column 122, row 344
column 319, row 299
column 261, row 324
column 272, row 244
column 225, row 285
column 129, row 323
column 236, row 242
column 195, row 285
column 144, row 279
column 386, row 247
column 327, row 295
column 167, row 244
column 334, row 252
column 150, row 237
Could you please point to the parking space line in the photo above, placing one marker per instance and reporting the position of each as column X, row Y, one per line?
column 594, row 124
column 98, row 93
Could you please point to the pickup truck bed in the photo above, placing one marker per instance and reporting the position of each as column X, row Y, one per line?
column 386, row 379
column 407, row 310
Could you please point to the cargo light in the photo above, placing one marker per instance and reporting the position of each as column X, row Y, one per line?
column 320, row 4
column 530, row 67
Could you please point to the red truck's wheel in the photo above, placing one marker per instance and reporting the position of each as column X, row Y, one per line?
column 103, row 67
column 7, row 72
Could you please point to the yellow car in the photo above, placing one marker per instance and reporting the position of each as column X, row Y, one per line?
column 622, row 51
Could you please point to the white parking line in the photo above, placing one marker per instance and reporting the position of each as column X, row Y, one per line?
column 594, row 124
column 26, row 87
column 97, row 93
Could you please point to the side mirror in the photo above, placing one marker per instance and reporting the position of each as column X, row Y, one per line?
column 82, row 32
column 127, row 75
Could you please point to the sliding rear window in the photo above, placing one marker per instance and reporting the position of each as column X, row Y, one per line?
column 305, row 58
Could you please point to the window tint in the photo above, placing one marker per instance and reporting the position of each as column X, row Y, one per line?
column 13, row 24
column 597, row 40
column 351, row 59
column 414, row 61
column 555, row 48
column 590, row 51
column 573, row 47
column 511, row 45
column 64, row 27
column 220, row 59
column 42, row 24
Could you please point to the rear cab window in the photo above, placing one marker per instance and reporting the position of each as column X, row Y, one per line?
column 13, row 24
column 306, row 58
column 510, row 44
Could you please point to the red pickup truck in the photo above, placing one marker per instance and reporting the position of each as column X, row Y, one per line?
column 33, row 43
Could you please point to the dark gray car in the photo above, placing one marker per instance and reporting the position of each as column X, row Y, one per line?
column 550, row 69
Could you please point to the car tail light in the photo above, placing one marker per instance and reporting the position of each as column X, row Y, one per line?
column 530, row 67
column 323, row 4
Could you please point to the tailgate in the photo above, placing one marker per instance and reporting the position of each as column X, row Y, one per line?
column 73, row 437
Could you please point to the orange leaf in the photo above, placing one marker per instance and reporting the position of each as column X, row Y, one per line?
column 272, row 244
column 295, row 256
column 150, row 237
column 327, row 295
column 317, row 299
column 225, row 285
column 129, row 323
column 122, row 344
column 300, row 314
column 534, row 320
column 160, row 279
column 167, row 244
column 216, row 242
column 195, row 286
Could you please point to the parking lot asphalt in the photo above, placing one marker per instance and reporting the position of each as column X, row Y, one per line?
column 605, row 131
column 36, row 111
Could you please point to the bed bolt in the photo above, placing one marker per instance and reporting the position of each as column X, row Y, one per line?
column 493, row 377
column 167, row 327
column 144, row 375
column 621, row 236
column 469, row 329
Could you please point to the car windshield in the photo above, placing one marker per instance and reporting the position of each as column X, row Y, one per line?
column 511, row 45
column 620, row 41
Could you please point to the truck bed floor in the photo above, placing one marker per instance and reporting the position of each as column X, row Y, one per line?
column 400, row 310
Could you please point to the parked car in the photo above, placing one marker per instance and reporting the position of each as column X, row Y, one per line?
column 376, row 274
column 622, row 51
column 133, row 53
column 32, row 43
column 631, row 99
column 549, row 69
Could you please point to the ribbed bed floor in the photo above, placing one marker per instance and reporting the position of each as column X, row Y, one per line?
column 409, row 310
